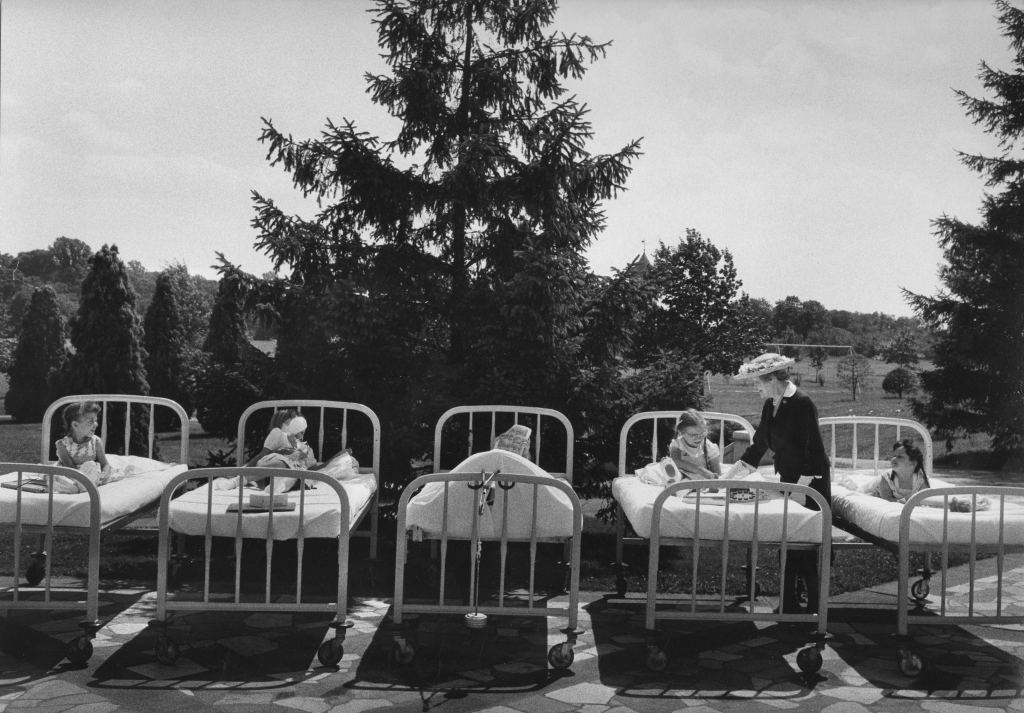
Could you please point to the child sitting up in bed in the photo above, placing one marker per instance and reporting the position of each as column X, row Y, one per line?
column 691, row 451
column 284, row 447
column 82, row 449
column 908, row 475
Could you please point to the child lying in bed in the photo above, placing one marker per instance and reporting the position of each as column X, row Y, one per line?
column 908, row 474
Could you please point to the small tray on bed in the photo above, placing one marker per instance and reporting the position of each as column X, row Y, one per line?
column 248, row 509
column 31, row 486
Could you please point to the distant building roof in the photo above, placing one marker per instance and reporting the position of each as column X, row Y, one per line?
column 640, row 265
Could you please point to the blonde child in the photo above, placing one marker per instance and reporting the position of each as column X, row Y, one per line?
column 82, row 449
column 691, row 451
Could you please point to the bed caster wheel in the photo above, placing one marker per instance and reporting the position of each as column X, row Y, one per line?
column 34, row 573
column 330, row 652
column 657, row 661
column 621, row 586
column 920, row 589
column 79, row 650
column 167, row 652
column 809, row 660
column 561, row 656
column 404, row 654
column 910, row 664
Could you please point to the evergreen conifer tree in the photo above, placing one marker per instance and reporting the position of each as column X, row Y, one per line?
column 39, row 351
column 229, row 377
column 167, row 352
column 106, row 334
column 977, row 385
column 447, row 263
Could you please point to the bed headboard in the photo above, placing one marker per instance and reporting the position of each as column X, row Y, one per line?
column 898, row 426
column 305, row 406
column 103, row 400
column 656, row 416
column 519, row 414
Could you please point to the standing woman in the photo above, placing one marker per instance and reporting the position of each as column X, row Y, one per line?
column 789, row 427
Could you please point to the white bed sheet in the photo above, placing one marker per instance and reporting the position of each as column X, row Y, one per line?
column 117, row 499
column 187, row 514
column 881, row 518
column 679, row 515
column 554, row 508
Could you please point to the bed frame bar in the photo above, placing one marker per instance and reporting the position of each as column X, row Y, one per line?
column 516, row 412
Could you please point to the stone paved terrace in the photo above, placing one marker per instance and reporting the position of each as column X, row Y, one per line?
column 267, row 662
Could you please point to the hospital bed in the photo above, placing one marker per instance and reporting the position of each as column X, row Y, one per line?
column 750, row 514
column 499, row 497
column 30, row 508
column 323, row 506
column 925, row 524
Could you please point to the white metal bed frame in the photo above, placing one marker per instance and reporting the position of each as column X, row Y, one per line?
column 809, row 660
column 560, row 656
column 910, row 663
column 331, row 651
column 79, row 649
column 322, row 405
column 620, row 537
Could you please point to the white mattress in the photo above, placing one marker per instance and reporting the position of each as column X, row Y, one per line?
column 881, row 518
column 554, row 508
column 187, row 514
column 117, row 499
column 679, row 515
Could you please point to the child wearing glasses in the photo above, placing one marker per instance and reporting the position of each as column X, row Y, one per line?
column 691, row 451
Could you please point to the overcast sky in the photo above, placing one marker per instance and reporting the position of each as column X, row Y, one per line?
column 814, row 140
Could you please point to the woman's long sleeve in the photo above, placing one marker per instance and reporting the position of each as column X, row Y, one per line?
column 759, row 444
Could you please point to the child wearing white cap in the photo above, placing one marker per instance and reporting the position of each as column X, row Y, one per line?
column 284, row 446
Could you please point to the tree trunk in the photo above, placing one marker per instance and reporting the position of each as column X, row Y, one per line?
column 460, row 280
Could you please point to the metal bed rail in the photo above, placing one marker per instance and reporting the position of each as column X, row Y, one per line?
column 517, row 412
column 900, row 424
column 809, row 659
column 560, row 655
column 331, row 651
column 323, row 406
column 972, row 549
column 128, row 400
column 79, row 649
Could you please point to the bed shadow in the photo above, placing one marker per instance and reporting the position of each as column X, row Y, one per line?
column 39, row 637
column 705, row 659
column 255, row 650
column 961, row 660
column 451, row 661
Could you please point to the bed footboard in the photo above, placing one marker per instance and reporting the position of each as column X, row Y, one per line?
column 240, row 513
column 766, row 530
column 475, row 612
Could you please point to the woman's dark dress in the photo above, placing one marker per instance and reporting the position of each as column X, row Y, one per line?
column 792, row 433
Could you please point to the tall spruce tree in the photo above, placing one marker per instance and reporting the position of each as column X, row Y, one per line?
column 978, row 318
column 106, row 334
column 446, row 263
column 40, row 351
column 167, row 352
